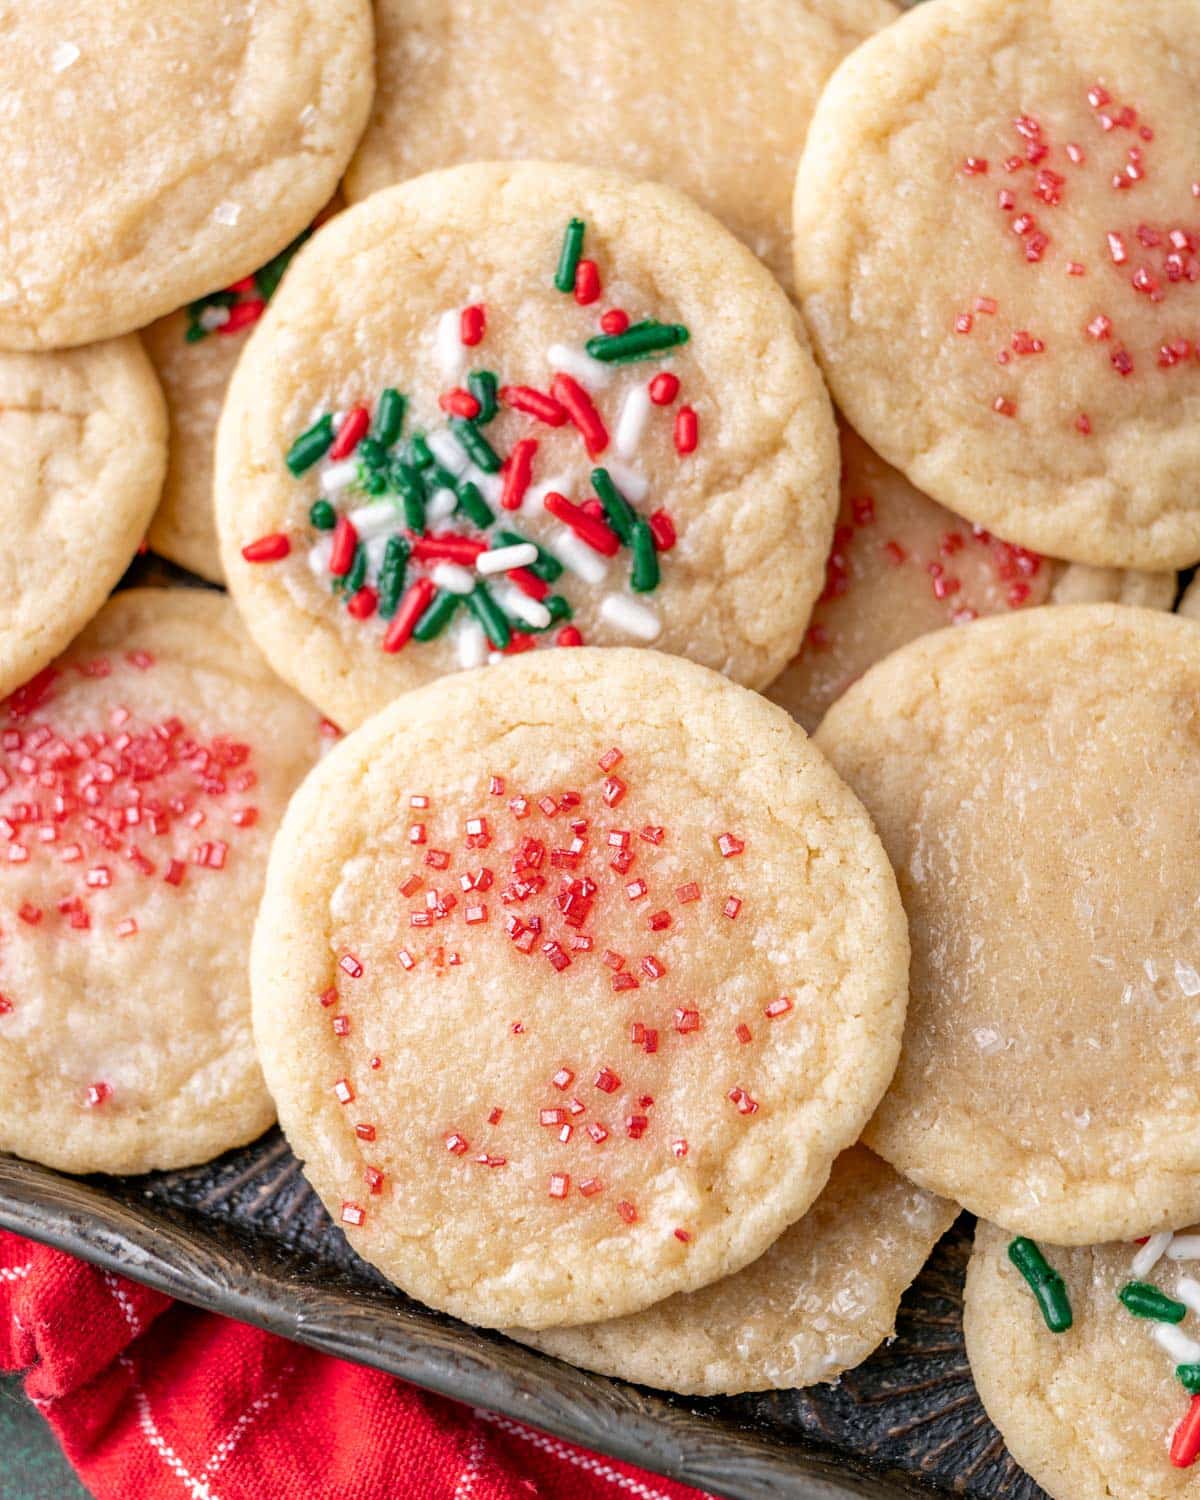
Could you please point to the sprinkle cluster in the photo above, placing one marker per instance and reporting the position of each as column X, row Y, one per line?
column 422, row 531
column 240, row 306
column 545, row 868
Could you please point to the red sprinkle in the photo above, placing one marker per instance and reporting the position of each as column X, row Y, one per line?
column 459, row 403
column 472, row 324
column 582, row 412
column 597, row 534
column 267, row 548
column 243, row 315
column 517, row 473
column 615, row 320
column 417, row 599
column 345, row 544
column 587, row 282
column 687, row 430
column 350, row 433
column 664, row 388
column 1185, row 1445
column 363, row 604
column 534, row 403
column 662, row 529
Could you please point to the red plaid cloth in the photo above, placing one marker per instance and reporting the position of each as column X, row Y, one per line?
column 156, row 1400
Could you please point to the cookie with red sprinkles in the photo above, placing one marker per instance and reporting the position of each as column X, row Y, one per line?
column 821, row 1299
column 141, row 778
column 571, row 979
column 507, row 408
column 1033, row 777
column 83, row 448
column 1109, row 1407
column 157, row 150
column 902, row 566
column 998, row 255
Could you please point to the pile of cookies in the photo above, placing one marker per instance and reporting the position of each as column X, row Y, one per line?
column 477, row 352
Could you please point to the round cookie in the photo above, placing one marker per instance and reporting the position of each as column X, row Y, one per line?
column 657, row 444
column 143, row 776
column 460, row 81
column 83, row 447
column 1031, row 778
column 194, row 350
column 571, row 979
column 821, row 1299
column 1001, row 278
column 158, row 149
column 1096, row 1412
column 902, row 566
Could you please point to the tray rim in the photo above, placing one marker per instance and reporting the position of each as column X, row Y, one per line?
column 76, row 1215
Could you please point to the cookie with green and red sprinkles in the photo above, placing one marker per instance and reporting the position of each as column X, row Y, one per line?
column 142, row 776
column 508, row 408
column 998, row 255
column 157, row 150
column 571, row 978
column 1103, row 1402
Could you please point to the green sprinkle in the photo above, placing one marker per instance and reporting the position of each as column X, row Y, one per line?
column 322, row 515
column 311, row 445
column 1146, row 1301
column 568, row 257
column 372, row 466
column 437, row 478
column 482, row 385
column 475, row 445
column 621, row 515
column 474, row 506
column 1045, row 1283
column 437, row 616
column 419, row 454
column 1189, row 1377
column 645, row 575
column 357, row 575
column 407, row 484
column 267, row 279
column 547, row 567
column 490, row 616
column 639, row 341
column 195, row 332
column 391, row 575
column 559, row 608
column 372, row 453
column 389, row 417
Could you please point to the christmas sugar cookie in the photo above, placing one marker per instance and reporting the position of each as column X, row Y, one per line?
column 821, row 1299
column 141, row 779
column 1088, row 1361
column 460, row 81
column 83, row 447
column 156, row 150
column 997, row 230
column 1032, row 777
column 902, row 566
column 194, row 351
column 572, row 977
column 503, row 408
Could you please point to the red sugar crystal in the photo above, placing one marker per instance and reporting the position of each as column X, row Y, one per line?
column 745, row 1104
column 624, row 982
column 560, row 1184
column 683, row 1236
column 743, row 1033
column 679, row 1148
column 365, row 1132
column 341, row 1025
column 598, row 1133
column 627, row 1211
column 653, row 967
column 343, row 1092
column 636, row 1126
column 729, row 844
column 606, row 1081
column 350, row 965
column 687, row 1020
column 563, row 1079
column 591, row 1187
column 97, row 1093
column 658, row 921
column 652, row 834
column 731, row 908
column 353, row 1213
column 495, row 1116
column 611, row 758
column 374, row 1179
column 778, row 1008
column 636, row 889
column 456, row 1144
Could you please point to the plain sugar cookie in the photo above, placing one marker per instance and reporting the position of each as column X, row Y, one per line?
column 157, row 149
column 1032, row 778
column 902, row 566
column 628, row 85
column 141, row 779
column 821, row 1299
column 83, row 447
column 571, row 979
column 997, row 226
column 583, row 377
column 1106, row 1409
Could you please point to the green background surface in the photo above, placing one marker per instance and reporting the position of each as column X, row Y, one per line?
column 31, row 1463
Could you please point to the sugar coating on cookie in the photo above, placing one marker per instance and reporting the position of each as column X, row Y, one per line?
column 821, row 1299
column 1031, row 777
column 1106, row 1409
column 572, row 976
column 901, row 566
column 997, row 225
column 83, row 447
column 508, row 407
column 141, row 779
column 158, row 149
column 626, row 85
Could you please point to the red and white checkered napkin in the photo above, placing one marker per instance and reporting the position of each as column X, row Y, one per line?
column 156, row 1400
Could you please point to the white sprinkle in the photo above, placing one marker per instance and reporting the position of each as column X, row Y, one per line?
column 213, row 318
column 453, row 578
column 63, row 56
column 1183, row 1350
column 535, row 496
column 529, row 610
column 632, row 484
column 490, row 486
column 445, row 448
column 227, row 214
column 1187, row 979
column 1184, row 1247
column 374, row 520
column 1188, row 1292
column 339, row 476
column 441, row 504
column 376, row 551
column 632, row 421
column 501, row 559
column 577, row 557
column 470, row 644
column 319, row 554
column 588, row 371
column 449, row 353
column 627, row 614
column 1150, row 1254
